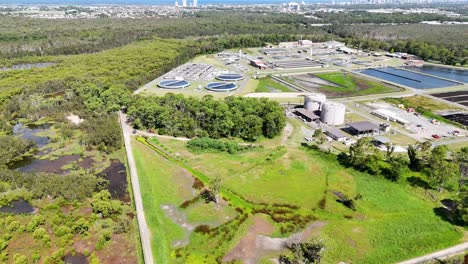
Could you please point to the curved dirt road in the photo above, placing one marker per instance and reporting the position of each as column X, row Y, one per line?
column 145, row 235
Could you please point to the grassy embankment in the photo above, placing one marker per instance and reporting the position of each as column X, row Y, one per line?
column 352, row 85
column 267, row 85
column 393, row 221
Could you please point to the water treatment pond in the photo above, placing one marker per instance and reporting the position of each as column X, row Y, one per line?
column 458, row 75
column 408, row 78
column 18, row 207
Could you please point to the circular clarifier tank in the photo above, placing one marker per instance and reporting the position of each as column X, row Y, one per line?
column 230, row 77
column 221, row 86
column 173, row 84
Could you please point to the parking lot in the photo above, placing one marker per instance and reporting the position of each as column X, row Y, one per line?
column 419, row 126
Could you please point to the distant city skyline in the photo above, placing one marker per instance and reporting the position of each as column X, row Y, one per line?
column 187, row 3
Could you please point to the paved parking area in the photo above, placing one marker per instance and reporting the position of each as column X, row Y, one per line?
column 419, row 126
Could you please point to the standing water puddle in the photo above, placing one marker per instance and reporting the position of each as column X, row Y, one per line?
column 76, row 258
column 116, row 174
column 18, row 207
column 30, row 133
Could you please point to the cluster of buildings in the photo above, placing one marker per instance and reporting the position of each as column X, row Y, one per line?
column 185, row 4
column 89, row 12
column 331, row 117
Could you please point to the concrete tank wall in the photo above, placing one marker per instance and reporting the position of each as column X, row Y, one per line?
column 314, row 102
column 333, row 113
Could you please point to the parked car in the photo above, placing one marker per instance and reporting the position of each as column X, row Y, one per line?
column 436, row 136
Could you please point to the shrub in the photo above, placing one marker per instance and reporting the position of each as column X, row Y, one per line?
column 36, row 256
column 62, row 231
column 81, row 227
column 20, row 259
column 13, row 226
column 104, row 205
column 122, row 225
column 34, row 223
column 209, row 144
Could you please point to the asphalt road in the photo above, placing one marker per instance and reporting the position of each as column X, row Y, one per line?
column 458, row 249
column 145, row 235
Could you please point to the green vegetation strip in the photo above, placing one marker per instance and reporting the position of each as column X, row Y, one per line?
column 266, row 85
column 232, row 198
column 351, row 84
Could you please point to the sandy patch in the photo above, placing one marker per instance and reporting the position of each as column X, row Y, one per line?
column 74, row 119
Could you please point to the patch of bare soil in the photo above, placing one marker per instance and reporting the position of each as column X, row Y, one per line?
column 256, row 243
column 287, row 131
column 74, row 119
column 119, row 252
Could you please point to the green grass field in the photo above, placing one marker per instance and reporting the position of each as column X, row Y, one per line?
column 268, row 85
column 393, row 221
column 352, row 85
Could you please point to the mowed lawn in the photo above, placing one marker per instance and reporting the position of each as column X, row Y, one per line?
column 352, row 84
column 267, row 85
column 161, row 183
column 392, row 221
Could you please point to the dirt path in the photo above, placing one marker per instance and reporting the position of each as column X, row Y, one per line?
column 287, row 131
column 458, row 249
column 145, row 234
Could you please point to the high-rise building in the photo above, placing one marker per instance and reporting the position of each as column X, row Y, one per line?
column 194, row 3
column 184, row 3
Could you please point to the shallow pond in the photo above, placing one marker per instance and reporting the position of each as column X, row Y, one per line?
column 116, row 174
column 18, row 207
column 76, row 258
column 30, row 132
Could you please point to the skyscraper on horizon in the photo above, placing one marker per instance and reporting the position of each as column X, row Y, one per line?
column 184, row 3
column 195, row 3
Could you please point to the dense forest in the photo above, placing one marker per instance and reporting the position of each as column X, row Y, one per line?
column 447, row 44
column 213, row 31
column 25, row 36
column 176, row 115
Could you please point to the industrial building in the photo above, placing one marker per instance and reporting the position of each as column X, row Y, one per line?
column 389, row 116
column 362, row 128
column 307, row 115
column 333, row 113
column 258, row 64
column 273, row 51
column 336, row 134
column 296, row 64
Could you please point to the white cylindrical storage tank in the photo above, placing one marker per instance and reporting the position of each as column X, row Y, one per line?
column 333, row 113
column 314, row 102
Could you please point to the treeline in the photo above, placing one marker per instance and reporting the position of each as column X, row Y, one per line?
column 425, row 166
column 176, row 115
column 364, row 17
column 70, row 36
column 442, row 43
column 216, row 145
column 423, row 158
